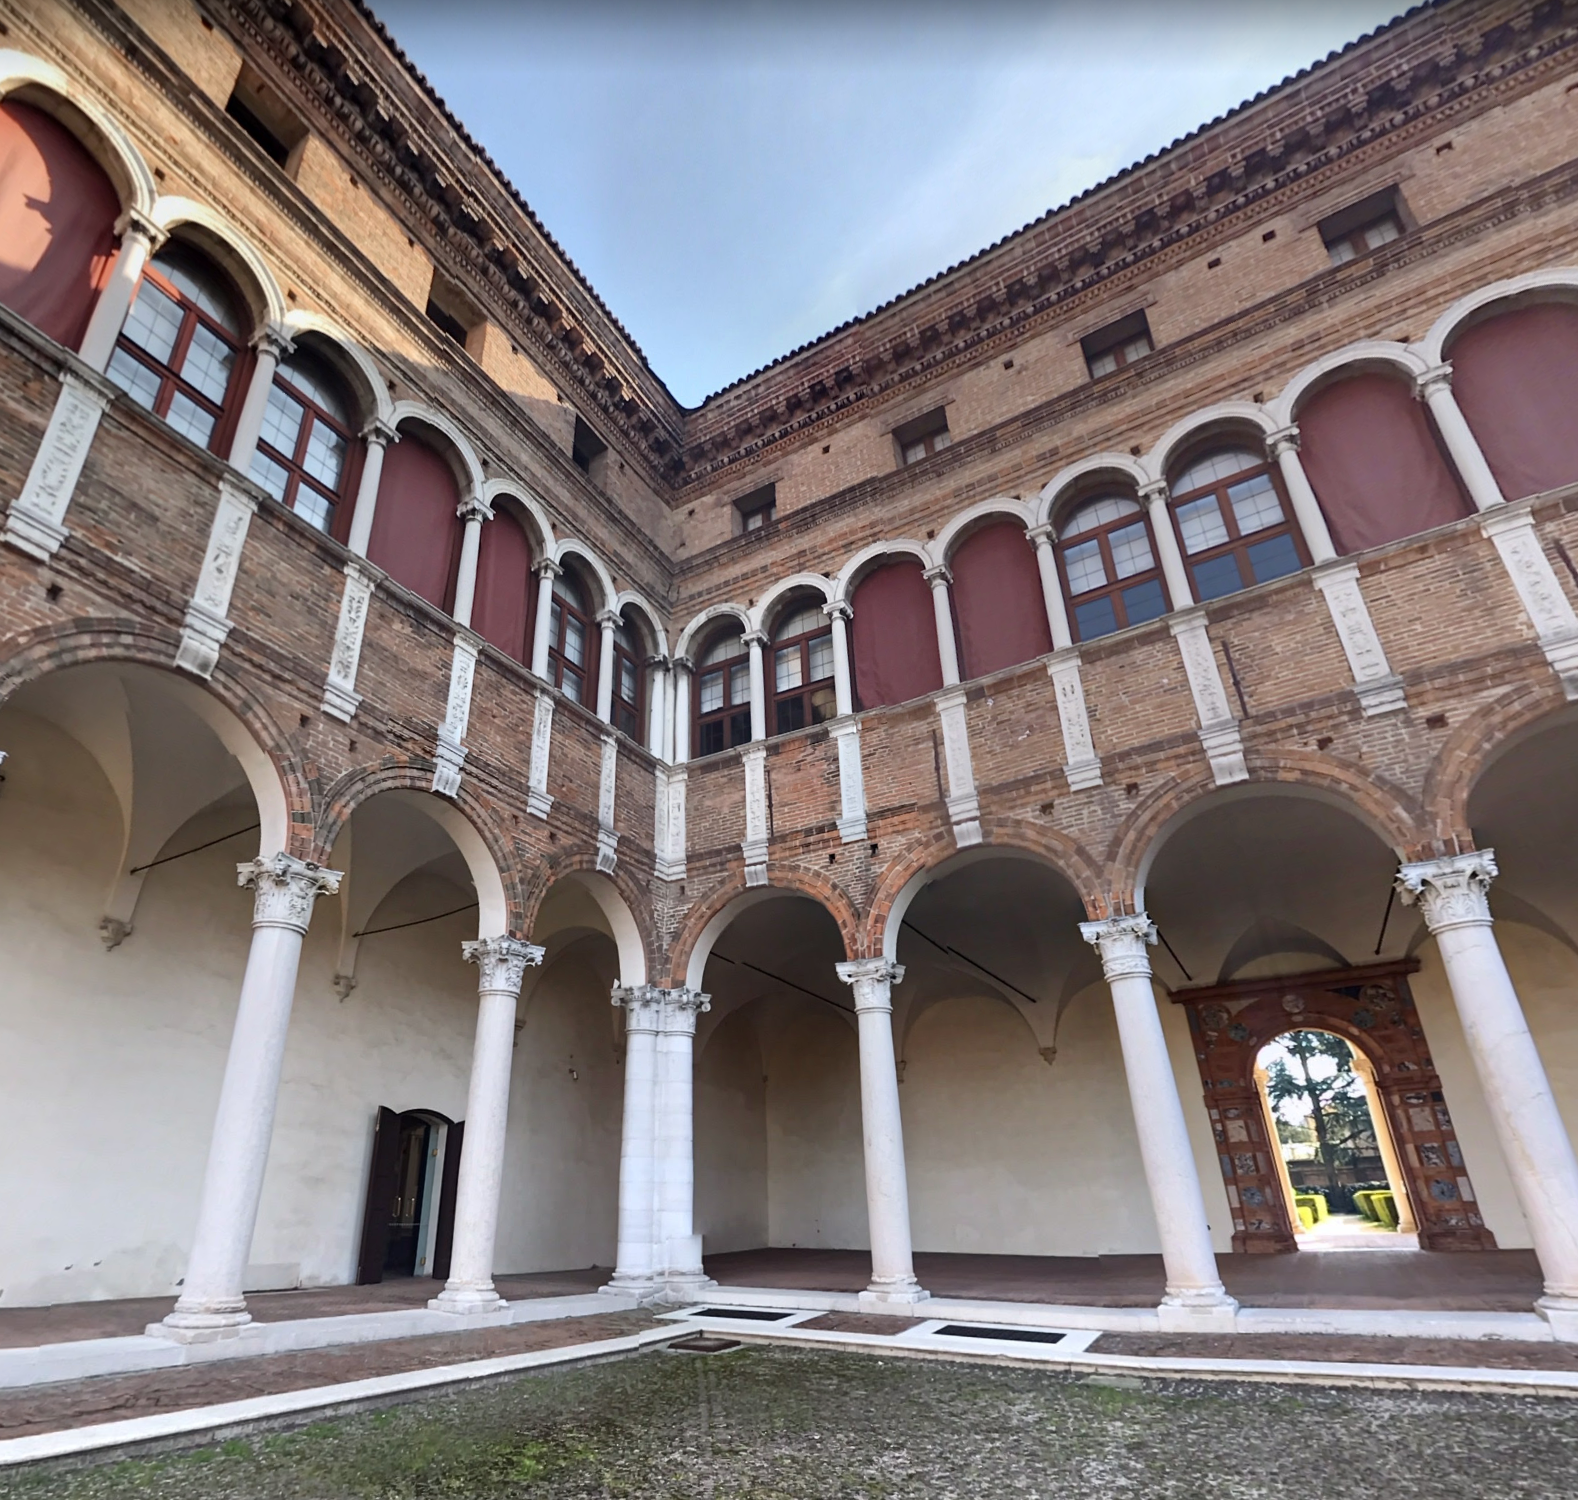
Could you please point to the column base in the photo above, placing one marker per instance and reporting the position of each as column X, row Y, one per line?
column 1562, row 1314
column 185, row 1326
column 900, row 1291
column 468, row 1301
column 1198, row 1312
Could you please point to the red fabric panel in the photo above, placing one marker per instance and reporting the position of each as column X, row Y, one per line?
column 997, row 600
column 416, row 533
column 1514, row 377
column 502, row 613
column 1370, row 453
column 895, row 636
column 57, row 223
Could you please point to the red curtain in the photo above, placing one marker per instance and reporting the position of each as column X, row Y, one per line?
column 895, row 636
column 505, row 585
column 57, row 223
column 997, row 600
column 1372, row 457
column 416, row 533
column 1514, row 377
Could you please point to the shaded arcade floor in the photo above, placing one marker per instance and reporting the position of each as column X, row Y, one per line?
column 1468, row 1281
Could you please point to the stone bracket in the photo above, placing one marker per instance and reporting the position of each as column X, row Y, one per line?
column 607, row 839
column 537, row 799
column 451, row 750
column 1219, row 732
column 668, row 834
column 757, row 830
column 207, row 624
column 1511, row 531
column 340, row 698
column 35, row 522
column 964, row 806
column 1378, row 688
column 845, row 734
column 1081, row 764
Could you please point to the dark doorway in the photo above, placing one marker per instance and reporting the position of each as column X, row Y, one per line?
column 408, row 1221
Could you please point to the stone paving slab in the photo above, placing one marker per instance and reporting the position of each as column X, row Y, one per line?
column 878, row 1324
column 82, row 1403
column 1492, row 1354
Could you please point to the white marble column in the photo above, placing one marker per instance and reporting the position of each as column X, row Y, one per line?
column 472, row 512
column 755, row 643
column 636, row 1264
column 140, row 237
column 679, row 1246
column 1283, row 445
column 840, row 614
column 1159, row 512
column 657, row 706
column 606, row 621
column 1051, row 587
column 547, row 571
column 270, row 345
column 1195, row 1297
column 376, row 436
column 684, row 670
column 502, row 962
column 1435, row 387
column 1452, row 893
column 882, row 1129
column 212, row 1304
column 942, row 611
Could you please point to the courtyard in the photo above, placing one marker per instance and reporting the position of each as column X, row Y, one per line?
column 787, row 1423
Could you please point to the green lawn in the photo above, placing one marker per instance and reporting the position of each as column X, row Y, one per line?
column 770, row 1425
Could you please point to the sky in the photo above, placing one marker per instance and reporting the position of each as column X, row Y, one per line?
column 735, row 179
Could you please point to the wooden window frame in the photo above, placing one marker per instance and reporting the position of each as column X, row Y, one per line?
column 760, row 507
column 1238, row 543
column 1114, row 339
column 929, row 432
column 295, row 466
column 1116, row 587
column 170, row 382
column 805, row 693
column 561, row 612
column 728, row 715
column 627, row 714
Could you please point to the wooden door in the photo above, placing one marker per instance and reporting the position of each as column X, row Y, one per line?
column 444, row 1230
column 381, row 1183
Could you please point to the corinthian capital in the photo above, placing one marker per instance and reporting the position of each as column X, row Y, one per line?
column 642, row 1005
column 503, row 962
column 872, row 980
column 1121, row 942
column 285, row 889
column 1450, row 892
column 681, row 1007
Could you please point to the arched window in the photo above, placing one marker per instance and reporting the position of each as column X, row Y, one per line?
column 1233, row 523
column 506, row 585
column 57, row 223
column 997, row 599
column 572, row 665
column 803, row 669
column 1109, row 566
column 416, row 531
column 303, row 456
column 181, row 347
column 723, row 696
column 894, row 632
column 627, row 680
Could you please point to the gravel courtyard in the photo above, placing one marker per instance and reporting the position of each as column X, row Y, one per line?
column 786, row 1424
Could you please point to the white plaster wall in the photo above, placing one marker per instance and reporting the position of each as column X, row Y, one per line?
column 816, row 1184
column 731, row 1138
column 560, row 1204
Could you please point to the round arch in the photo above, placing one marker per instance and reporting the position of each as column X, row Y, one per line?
column 221, row 238
column 618, row 897
column 638, row 604
column 509, row 489
column 1221, row 419
column 761, row 616
column 454, row 443
column 1497, row 297
column 871, row 557
column 1368, row 356
column 704, row 925
column 351, row 359
column 33, row 81
column 499, row 905
column 1001, row 507
column 569, row 547
column 699, row 626
column 1076, row 478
